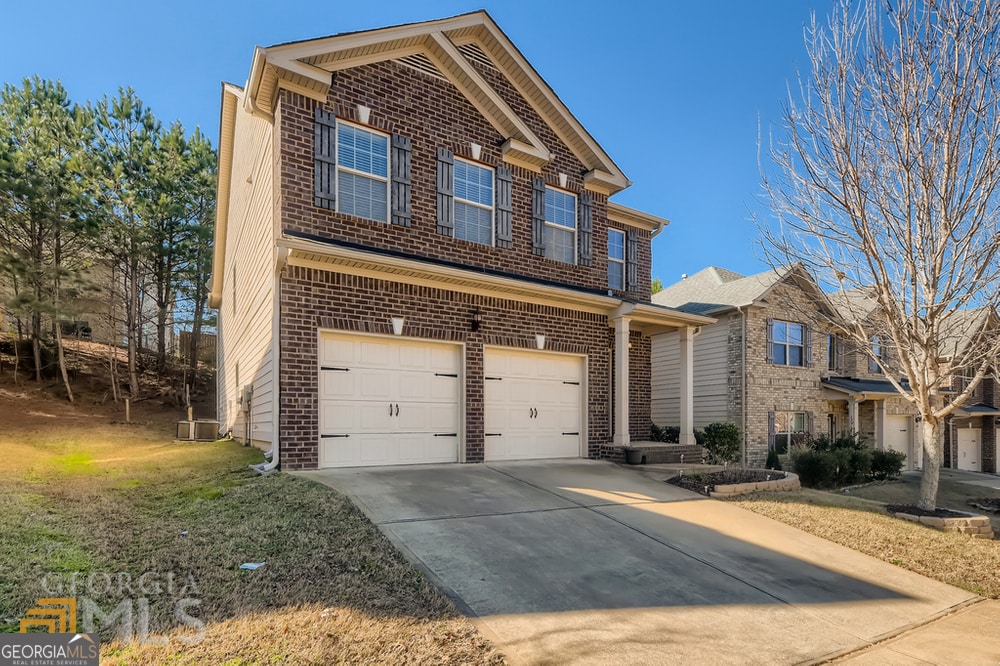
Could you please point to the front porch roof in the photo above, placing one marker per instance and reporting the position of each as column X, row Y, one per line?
column 979, row 409
column 859, row 388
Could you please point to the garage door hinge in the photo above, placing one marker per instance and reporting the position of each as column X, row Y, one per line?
column 329, row 436
column 496, row 379
column 571, row 433
column 326, row 367
column 446, row 374
column 572, row 383
column 446, row 434
column 494, row 434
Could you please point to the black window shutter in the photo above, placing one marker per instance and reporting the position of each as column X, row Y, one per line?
column 325, row 160
column 538, row 216
column 401, row 180
column 505, row 208
column 585, row 250
column 807, row 352
column 769, row 353
column 632, row 260
column 445, row 192
column 770, row 431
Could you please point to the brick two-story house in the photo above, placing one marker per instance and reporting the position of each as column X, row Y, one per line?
column 417, row 260
column 773, row 364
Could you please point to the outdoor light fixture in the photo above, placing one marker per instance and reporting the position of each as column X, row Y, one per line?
column 397, row 325
column 477, row 319
column 540, row 341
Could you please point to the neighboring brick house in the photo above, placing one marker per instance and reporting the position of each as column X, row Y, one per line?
column 416, row 259
column 771, row 365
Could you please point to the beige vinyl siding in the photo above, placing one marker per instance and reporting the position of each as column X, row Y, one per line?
column 711, row 376
column 245, row 318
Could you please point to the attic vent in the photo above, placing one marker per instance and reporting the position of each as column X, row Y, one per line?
column 476, row 54
column 421, row 63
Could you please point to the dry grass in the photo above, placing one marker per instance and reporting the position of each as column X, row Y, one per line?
column 118, row 500
column 956, row 559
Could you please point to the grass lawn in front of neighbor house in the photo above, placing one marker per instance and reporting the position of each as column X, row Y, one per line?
column 864, row 526
column 112, row 503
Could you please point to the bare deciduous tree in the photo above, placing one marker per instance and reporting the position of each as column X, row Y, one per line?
column 885, row 180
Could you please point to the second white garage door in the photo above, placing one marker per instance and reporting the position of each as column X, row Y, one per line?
column 387, row 401
column 533, row 404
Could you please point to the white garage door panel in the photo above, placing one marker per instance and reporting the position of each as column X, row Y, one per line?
column 533, row 405
column 969, row 449
column 385, row 401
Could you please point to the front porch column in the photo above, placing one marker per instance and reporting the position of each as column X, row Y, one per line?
column 687, row 385
column 853, row 417
column 622, row 437
column 880, row 424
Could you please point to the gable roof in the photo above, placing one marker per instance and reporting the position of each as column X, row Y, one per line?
column 714, row 289
column 305, row 67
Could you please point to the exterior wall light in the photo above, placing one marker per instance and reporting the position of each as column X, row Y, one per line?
column 477, row 319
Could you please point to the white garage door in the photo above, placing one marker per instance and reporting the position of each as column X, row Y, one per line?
column 968, row 449
column 898, row 438
column 386, row 401
column 533, row 403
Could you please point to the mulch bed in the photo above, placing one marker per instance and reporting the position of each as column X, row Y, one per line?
column 699, row 480
column 990, row 504
column 917, row 511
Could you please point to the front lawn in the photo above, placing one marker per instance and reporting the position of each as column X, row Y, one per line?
column 112, row 503
column 863, row 525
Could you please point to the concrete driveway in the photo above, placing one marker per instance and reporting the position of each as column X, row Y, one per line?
column 586, row 562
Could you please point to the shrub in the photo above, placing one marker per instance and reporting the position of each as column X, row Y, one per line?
column 667, row 434
column 722, row 441
column 819, row 468
column 846, row 440
column 773, row 461
column 887, row 464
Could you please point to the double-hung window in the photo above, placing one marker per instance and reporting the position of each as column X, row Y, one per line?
column 788, row 343
column 786, row 426
column 877, row 359
column 560, row 225
column 473, row 202
column 616, row 259
column 362, row 172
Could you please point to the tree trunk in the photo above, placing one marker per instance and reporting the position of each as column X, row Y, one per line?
column 194, row 353
column 134, row 326
column 161, row 334
column 932, row 464
column 36, row 344
column 56, row 329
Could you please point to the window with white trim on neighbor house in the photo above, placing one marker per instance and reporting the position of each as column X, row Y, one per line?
column 560, row 225
column 788, row 343
column 878, row 352
column 616, row 259
column 362, row 172
column 473, row 202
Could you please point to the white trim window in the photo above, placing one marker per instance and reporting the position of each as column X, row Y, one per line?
column 362, row 172
column 786, row 425
column 560, row 225
column 473, row 202
column 616, row 259
column 788, row 343
column 877, row 357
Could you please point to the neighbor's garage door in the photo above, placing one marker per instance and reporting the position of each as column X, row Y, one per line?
column 386, row 401
column 969, row 448
column 534, row 403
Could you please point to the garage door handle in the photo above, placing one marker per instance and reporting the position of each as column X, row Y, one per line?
column 446, row 434
column 494, row 434
column 332, row 436
column 571, row 433
column 495, row 379
column 446, row 374
column 397, row 409
column 572, row 383
column 325, row 367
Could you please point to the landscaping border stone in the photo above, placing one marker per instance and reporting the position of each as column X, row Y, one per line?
column 972, row 524
column 790, row 482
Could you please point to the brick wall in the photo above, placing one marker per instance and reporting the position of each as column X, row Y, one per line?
column 433, row 114
column 312, row 298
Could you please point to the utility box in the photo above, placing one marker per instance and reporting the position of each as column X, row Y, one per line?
column 202, row 430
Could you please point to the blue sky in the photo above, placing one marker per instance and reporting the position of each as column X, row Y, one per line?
column 673, row 91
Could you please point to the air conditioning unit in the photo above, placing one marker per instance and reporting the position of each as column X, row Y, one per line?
column 202, row 430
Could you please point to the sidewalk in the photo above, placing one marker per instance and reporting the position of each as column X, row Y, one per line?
column 967, row 636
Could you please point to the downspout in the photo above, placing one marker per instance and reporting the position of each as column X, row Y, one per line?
column 743, row 380
column 659, row 227
column 275, row 452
